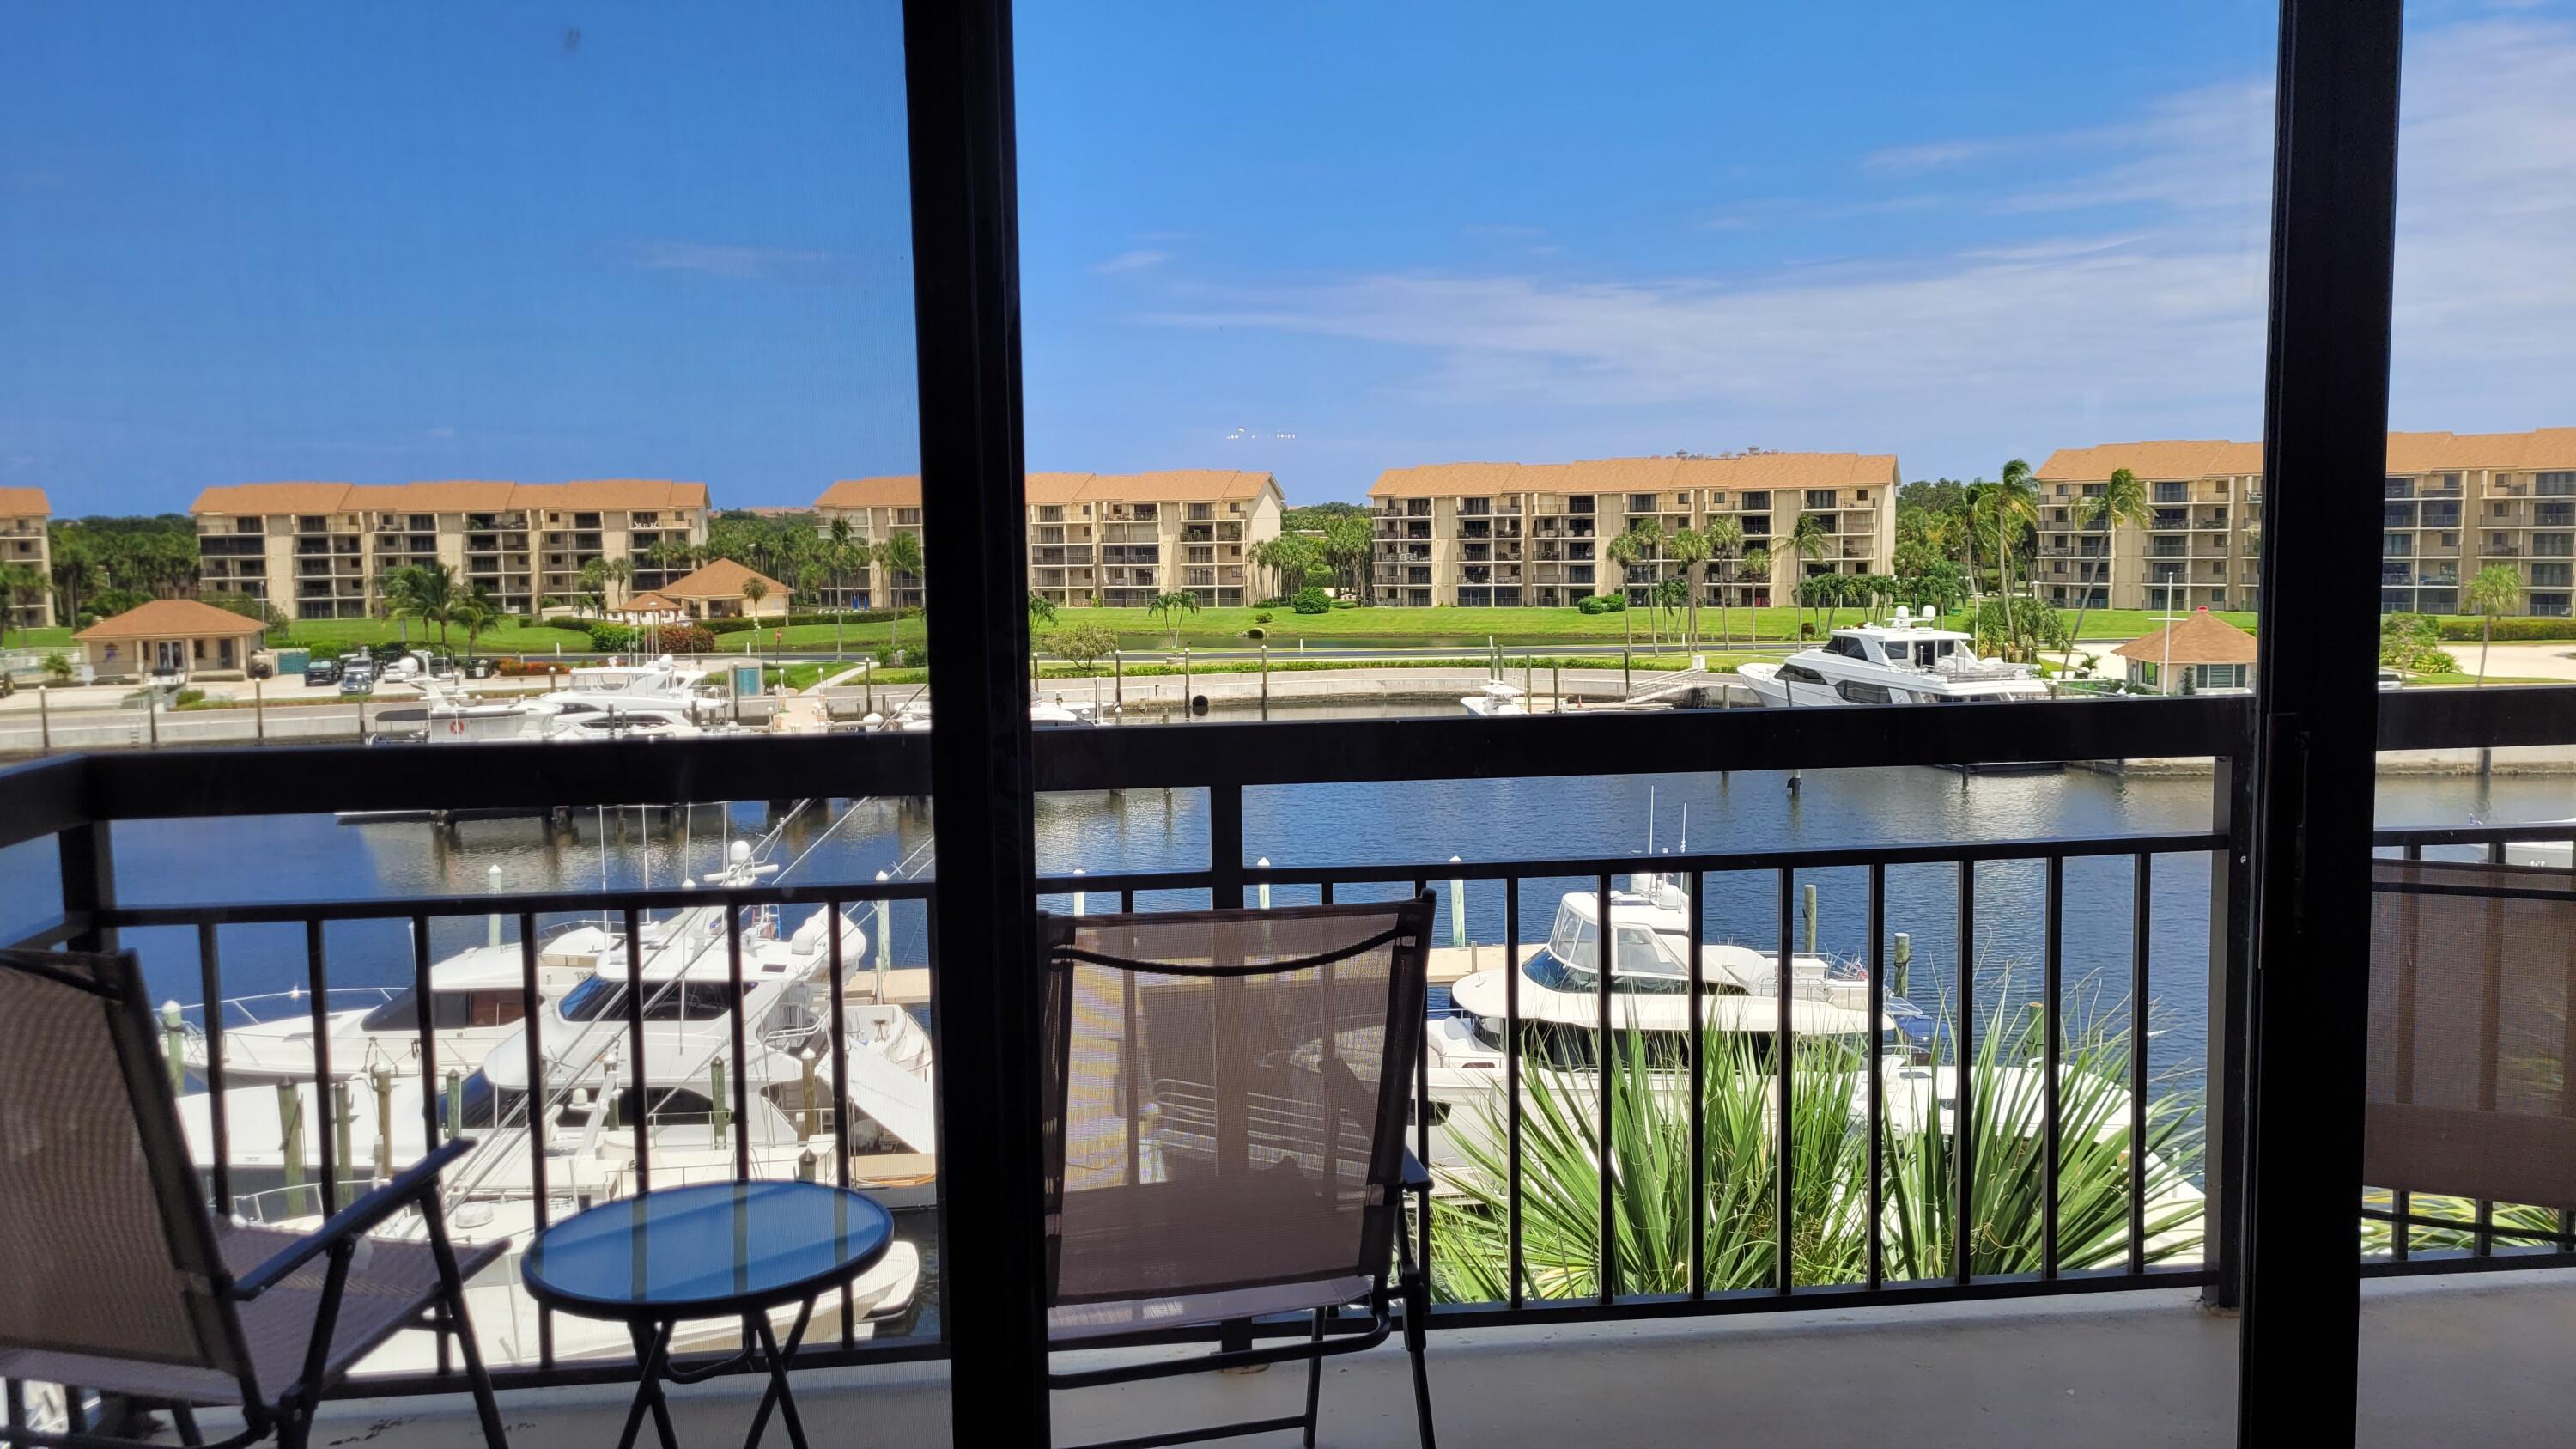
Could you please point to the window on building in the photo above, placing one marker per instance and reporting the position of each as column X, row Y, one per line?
column 2173, row 493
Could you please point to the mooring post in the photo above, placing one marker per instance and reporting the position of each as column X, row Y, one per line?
column 1904, row 961
column 719, row 1114
column 1810, row 902
column 455, row 1100
column 382, row 1079
column 174, row 1046
column 290, row 1145
column 342, row 1111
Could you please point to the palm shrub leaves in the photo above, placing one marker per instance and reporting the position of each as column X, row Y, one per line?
column 1651, row 1207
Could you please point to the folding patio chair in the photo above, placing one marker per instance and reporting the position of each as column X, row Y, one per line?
column 1225, row 1112
column 113, row 1275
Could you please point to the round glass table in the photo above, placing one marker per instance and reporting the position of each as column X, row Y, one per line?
column 714, row 1250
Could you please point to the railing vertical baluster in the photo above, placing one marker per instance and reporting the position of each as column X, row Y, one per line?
column 2052, row 1025
column 1127, row 900
column 1327, row 893
column 1694, row 1041
column 1877, row 1076
column 1604, row 958
column 1421, row 1069
column 930, row 954
column 317, row 980
column 532, row 1039
column 635, row 1050
column 2141, row 939
column 2401, row 1234
column 210, row 977
column 425, row 1023
column 1963, row 1131
column 741, row 1048
column 1512, row 1083
column 1784, row 1043
column 2490, row 1029
column 832, row 909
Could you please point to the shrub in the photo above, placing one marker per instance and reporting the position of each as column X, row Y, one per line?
column 58, row 667
column 1262, row 618
column 1602, row 604
column 520, row 667
column 2467, row 630
column 187, row 697
column 1312, row 600
column 609, row 638
column 2407, row 642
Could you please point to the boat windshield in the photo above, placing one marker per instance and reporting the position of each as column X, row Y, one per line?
column 449, row 1010
column 1568, row 963
column 663, row 1001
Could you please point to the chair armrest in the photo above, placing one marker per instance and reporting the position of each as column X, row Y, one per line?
column 1417, row 1178
column 351, row 1221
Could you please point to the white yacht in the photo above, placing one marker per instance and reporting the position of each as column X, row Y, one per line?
column 1651, row 924
column 475, row 1003
column 1495, row 698
column 1906, row 660
column 912, row 717
column 656, row 700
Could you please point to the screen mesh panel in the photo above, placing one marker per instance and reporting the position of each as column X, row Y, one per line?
column 2472, row 974
column 1227, row 1106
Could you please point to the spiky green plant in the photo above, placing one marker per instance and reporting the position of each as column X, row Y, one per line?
column 1651, row 1211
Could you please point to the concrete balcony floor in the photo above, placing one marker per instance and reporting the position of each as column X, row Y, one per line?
column 2476, row 1359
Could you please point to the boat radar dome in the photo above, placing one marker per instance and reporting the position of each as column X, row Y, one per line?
column 738, row 853
column 1903, row 613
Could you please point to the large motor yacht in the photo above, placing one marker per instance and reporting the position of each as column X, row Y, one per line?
column 1907, row 660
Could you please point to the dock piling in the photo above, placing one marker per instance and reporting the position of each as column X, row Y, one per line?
column 382, row 1079
column 174, row 1046
column 342, row 1111
column 290, row 1146
column 1809, row 891
column 1904, row 960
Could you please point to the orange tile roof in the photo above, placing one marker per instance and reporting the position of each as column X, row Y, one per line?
column 172, row 619
column 1182, row 485
column 461, row 496
column 2198, row 638
column 721, row 579
column 648, row 601
column 2542, row 448
column 1755, row 471
column 24, row 503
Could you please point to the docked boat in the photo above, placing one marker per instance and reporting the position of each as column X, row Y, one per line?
column 476, row 1000
column 656, row 700
column 1906, row 660
column 1495, row 699
column 912, row 717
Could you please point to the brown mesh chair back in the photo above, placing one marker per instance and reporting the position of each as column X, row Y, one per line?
column 105, row 1248
column 2473, row 1032
column 1225, row 1108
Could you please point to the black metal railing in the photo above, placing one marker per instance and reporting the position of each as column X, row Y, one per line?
column 79, row 799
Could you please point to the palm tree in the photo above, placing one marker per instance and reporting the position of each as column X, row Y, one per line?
column 426, row 592
column 1756, row 563
column 2493, row 590
column 19, row 584
column 754, row 589
column 1725, row 538
column 1169, row 607
column 2122, row 500
column 594, row 586
column 474, row 613
column 1690, row 548
column 1349, row 544
column 1041, row 609
column 2010, row 507
column 1807, row 542
column 898, row 558
column 1634, row 547
column 621, row 571
column 841, row 552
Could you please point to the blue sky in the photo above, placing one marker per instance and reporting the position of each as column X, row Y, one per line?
column 346, row 242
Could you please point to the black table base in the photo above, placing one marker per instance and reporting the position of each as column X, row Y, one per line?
column 760, row 1346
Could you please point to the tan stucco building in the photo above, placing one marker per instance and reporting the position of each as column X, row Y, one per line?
column 2450, row 504
column 170, row 634
column 24, row 514
column 318, row 550
column 1115, row 539
column 1537, row 533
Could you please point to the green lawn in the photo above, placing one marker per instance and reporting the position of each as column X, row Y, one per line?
column 509, row 639
column 1362, row 627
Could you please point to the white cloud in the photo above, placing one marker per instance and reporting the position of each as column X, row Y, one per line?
column 1139, row 260
column 2137, row 311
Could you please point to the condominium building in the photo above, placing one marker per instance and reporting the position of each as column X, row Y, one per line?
column 1506, row 534
column 1112, row 539
column 23, row 540
column 2451, row 504
column 321, row 550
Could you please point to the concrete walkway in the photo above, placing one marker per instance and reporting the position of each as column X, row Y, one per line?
column 2475, row 1360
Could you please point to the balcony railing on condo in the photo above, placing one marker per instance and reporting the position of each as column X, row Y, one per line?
column 81, row 801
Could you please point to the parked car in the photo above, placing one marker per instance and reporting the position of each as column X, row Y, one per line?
column 322, row 671
column 358, row 679
column 479, row 667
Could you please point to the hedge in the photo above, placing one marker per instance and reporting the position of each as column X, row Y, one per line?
column 2469, row 631
column 855, row 616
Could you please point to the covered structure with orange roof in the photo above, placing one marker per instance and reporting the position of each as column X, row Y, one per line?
column 322, row 550
column 2450, row 505
column 170, row 636
column 25, row 542
column 1509, row 534
column 1114, row 539
column 2198, row 653
column 717, row 591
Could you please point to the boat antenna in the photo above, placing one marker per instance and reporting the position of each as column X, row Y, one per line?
column 1650, row 820
column 1685, row 827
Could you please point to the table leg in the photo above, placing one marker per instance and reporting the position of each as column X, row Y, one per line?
column 778, row 1391
column 652, row 1355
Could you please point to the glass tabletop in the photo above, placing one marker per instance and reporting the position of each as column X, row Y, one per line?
column 712, row 1248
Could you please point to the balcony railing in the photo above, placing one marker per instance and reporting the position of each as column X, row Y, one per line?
column 80, row 800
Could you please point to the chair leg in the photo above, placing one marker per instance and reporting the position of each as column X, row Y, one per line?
column 1314, row 1380
column 451, row 1291
column 184, row 1419
column 1417, row 1314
